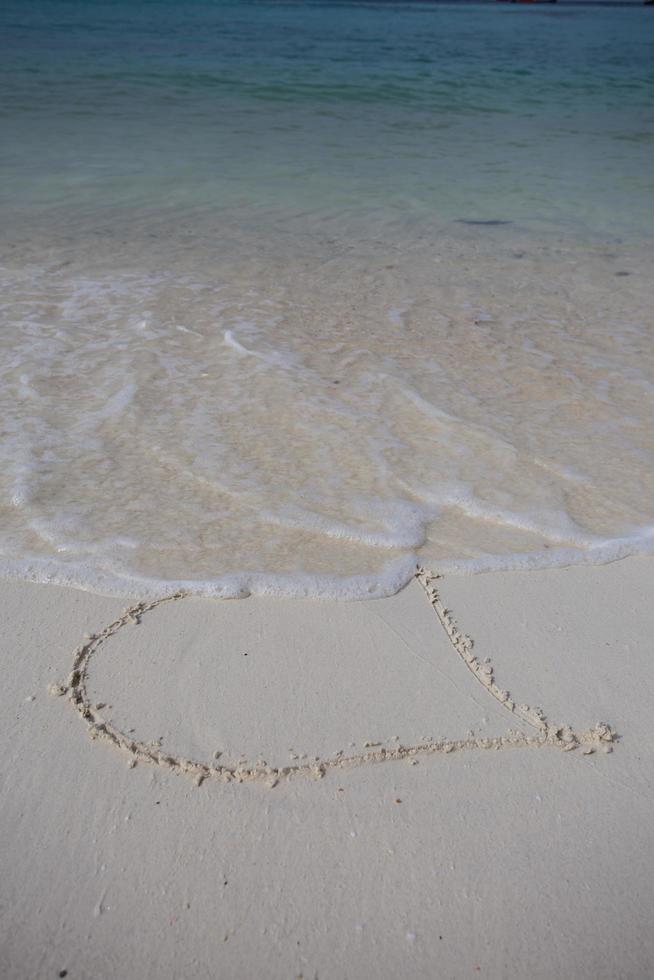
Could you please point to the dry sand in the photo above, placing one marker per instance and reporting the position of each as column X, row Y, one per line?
column 376, row 799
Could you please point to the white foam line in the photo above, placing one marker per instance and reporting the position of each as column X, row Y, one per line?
column 408, row 535
column 232, row 342
column 305, row 585
column 600, row 554
column 274, row 359
column 238, row 585
column 477, row 511
column 458, row 497
column 426, row 408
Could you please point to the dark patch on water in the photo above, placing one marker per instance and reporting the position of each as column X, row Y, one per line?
column 492, row 221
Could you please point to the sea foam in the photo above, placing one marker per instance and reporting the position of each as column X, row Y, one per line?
column 301, row 436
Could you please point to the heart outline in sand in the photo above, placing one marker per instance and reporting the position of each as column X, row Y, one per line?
column 562, row 737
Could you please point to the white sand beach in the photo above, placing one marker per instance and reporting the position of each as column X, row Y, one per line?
column 513, row 860
column 326, row 484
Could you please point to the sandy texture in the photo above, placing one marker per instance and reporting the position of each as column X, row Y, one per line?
column 340, row 829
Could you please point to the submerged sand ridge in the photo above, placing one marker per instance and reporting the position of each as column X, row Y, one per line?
column 540, row 732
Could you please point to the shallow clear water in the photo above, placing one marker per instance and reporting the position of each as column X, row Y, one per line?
column 294, row 295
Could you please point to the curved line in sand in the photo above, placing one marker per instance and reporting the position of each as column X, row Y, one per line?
column 562, row 737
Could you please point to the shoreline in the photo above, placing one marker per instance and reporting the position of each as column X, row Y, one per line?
column 387, row 581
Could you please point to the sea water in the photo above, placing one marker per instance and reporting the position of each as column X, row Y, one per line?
column 295, row 296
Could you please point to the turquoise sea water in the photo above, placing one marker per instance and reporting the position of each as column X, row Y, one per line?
column 296, row 295
column 478, row 111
